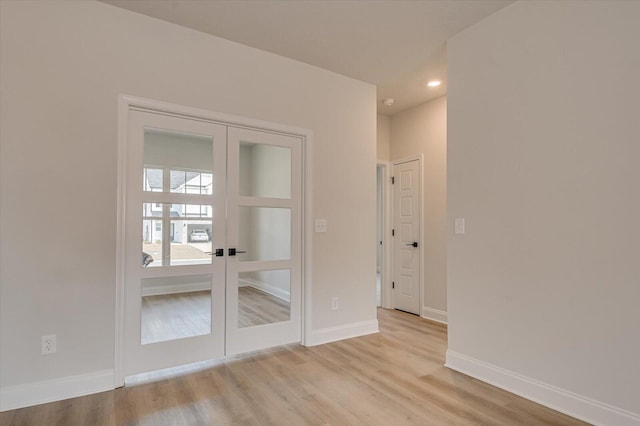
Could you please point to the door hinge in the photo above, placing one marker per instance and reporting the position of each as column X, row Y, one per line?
column 393, row 284
column 393, row 232
column 393, row 180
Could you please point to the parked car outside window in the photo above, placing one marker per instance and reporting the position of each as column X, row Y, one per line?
column 199, row 235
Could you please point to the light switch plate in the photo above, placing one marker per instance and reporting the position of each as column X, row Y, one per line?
column 321, row 225
column 459, row 226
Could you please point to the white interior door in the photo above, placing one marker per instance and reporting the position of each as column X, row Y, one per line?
column 264, row 276
column 175, row 218
column 407, row 247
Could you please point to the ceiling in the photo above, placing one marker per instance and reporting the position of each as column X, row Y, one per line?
column 396, row 45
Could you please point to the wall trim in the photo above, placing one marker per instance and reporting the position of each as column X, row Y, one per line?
column 434, row 314
column 28, row 394
column 341, row 332
column 570, row 403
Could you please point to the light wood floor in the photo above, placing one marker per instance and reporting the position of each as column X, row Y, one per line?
column 394, row 378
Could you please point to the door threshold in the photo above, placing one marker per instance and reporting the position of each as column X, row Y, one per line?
column 167, row 373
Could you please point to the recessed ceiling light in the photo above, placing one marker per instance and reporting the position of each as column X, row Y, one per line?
column 434, row 83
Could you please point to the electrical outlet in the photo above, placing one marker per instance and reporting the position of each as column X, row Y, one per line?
column 334, row 304
column 49, row 344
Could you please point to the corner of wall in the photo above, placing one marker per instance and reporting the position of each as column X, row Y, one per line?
column 433, row 314
column 346, row 331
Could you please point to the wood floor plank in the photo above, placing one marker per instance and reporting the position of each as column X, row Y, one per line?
column 395, row 377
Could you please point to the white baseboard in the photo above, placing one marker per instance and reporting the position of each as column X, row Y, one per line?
column 434, row 314
column 578, row 406
column 267, row 288
column 347, row 331
column 28, row 394
column 176, row 288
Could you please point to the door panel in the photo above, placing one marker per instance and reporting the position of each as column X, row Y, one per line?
column 264, row 221
column 407, row 247
column 174, row 296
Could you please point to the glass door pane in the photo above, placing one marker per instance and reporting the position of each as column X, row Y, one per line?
column 264, row 297
column 264, row 226
column 264, row 233
column 175, row 308
column 177, row 161
column 189, row 238
column 265, row 170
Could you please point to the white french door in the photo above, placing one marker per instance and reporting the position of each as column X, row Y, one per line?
column 213, row 241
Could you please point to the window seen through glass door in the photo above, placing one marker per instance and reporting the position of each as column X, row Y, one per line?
column 176, row 234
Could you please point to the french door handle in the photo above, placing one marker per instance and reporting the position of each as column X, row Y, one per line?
column 413, row 244
column 218, row 252
column 233, row 251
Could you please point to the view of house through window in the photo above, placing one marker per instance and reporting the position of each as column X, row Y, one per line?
column 177, row 234
column 186, row 227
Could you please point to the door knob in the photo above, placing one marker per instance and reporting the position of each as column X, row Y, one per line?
column 413, row 244
column 233, row 251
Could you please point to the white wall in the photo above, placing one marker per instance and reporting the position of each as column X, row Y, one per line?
column 63, row 65
column 383, row 137
column 423, row 130
column 543, row 164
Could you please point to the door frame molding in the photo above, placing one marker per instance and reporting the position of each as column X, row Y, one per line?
column 127, row 103
column 386, row 272
column 420, row 158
